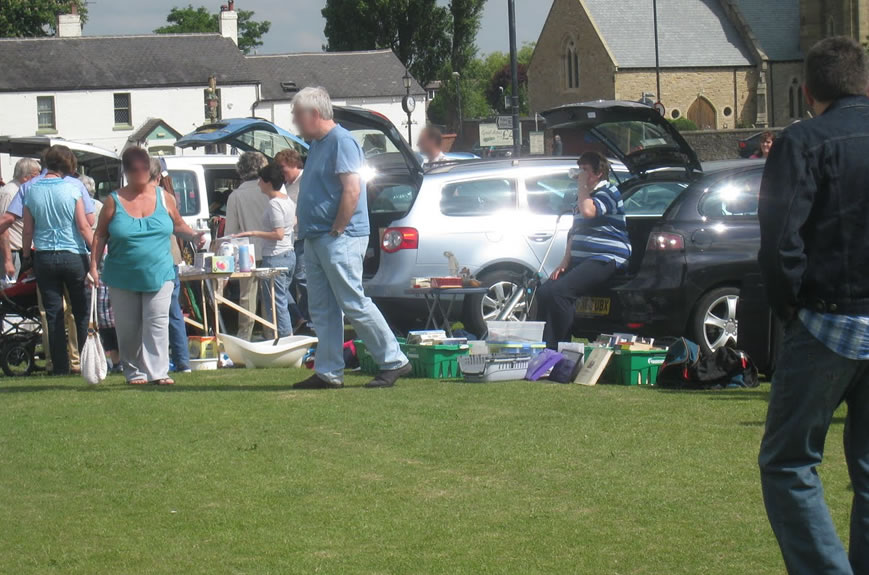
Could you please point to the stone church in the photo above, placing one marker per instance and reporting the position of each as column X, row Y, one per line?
column 724, row 63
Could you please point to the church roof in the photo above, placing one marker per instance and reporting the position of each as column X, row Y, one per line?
column 691, row 33
column 776, row 25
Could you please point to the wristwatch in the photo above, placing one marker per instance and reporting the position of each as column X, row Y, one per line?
column 336, row 233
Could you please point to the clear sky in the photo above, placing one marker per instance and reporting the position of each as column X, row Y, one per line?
column 297, row 25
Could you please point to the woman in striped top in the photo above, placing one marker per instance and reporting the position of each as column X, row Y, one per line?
column 597, row 247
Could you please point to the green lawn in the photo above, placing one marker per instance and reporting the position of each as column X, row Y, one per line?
column 233, row 472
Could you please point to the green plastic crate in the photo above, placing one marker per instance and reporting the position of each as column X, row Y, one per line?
column 436, row 361
column 634, row 367
column 366, row 360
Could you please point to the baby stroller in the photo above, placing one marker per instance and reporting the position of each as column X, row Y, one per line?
column 21, row 327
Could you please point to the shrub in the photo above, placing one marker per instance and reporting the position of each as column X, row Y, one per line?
column 684, row 125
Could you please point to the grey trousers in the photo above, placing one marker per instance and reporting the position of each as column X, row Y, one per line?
column 142, row 325
column 247, row 292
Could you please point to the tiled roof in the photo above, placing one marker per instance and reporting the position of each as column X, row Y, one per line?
column 776, row 25
column 107, row 62
column 343, row 74
column 692, row 33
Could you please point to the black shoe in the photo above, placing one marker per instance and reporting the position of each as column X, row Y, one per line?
column 317, row 382
column 387, row 378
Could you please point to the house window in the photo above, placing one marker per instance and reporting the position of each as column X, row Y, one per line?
column 123, row 114
column 831, row 26
column 571, row 65
column 45, row 113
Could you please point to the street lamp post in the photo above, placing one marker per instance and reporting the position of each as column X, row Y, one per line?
column 514, row 71
column 408, row 103
column 458, row 79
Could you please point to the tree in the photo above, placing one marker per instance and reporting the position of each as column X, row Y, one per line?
column 466, row 24
column 35, row 18
column 192, row 20
column 416, row 30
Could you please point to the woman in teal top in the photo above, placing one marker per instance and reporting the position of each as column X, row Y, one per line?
column 56, row 224
column 137, row 223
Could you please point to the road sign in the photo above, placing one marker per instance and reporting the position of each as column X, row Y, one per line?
column 505, row 122
column 660, row 108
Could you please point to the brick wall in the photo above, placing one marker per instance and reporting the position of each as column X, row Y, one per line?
column 733, row 88
column 719, row 144
column 547, row 87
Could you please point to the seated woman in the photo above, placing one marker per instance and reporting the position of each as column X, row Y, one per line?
column 279, row 218
column 597, row 247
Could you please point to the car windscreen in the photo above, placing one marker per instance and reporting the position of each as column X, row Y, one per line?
column 268, row 143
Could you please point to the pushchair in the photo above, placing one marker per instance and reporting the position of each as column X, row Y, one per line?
column 21, row 331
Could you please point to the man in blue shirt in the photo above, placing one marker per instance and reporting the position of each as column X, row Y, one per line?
column 332, row 215
column 814, row 255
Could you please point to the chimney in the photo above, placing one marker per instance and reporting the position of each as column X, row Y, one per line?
column 229, row 22
column 69, row 25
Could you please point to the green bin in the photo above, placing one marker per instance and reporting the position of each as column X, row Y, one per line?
column 629, row 367
column 366, row 360
column 436, row 361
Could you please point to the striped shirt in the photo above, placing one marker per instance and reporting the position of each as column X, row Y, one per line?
column 845, row 335
column 605, row 236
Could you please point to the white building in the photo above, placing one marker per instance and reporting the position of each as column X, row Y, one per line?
column 106, row 91
column 372, row 80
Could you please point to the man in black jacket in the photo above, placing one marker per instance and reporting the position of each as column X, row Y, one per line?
column 814, row 216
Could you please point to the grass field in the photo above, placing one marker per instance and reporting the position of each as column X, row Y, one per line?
column 233, row 472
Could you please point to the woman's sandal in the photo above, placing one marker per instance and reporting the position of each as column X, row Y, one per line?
column 166, row 381
column 137, row 382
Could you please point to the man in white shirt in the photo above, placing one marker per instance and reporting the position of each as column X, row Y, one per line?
column 290, row 162
column 429, row 144
column 25, row 170
column 244, row 213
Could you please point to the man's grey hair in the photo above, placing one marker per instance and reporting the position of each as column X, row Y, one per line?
column 315, row 99
column 250, row 164
column 24, row 168
column 89, row 184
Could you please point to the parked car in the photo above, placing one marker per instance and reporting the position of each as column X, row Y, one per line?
column 693, row 250
column 749, row 146
column 104, row 166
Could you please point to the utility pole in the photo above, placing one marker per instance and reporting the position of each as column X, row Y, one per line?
column 514, row 71
column 657, row 51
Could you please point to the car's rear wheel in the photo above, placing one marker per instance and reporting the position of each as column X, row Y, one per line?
column 502, row 285
column 715, row 322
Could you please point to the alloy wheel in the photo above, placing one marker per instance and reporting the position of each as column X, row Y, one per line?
column 721, row 326
column 497, row 298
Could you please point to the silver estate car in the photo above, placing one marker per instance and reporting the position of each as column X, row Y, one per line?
column 497, row 218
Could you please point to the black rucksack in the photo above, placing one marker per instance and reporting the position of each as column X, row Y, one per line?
column 687, row 368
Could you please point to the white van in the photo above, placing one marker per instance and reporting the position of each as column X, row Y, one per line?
column 202, row 183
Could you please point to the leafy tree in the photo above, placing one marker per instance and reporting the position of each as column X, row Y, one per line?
column 416, row 30
column 466, row 24
column 34, row 18
column 192, row 20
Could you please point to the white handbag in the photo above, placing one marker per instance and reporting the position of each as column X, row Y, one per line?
column 93, row 359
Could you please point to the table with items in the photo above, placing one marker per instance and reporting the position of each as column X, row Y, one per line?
column 438, row 317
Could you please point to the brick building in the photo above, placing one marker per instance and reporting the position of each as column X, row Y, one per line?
column 724, row 63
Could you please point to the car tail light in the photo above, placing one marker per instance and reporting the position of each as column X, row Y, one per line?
column 396, row 239
column 636, row 326
column 742, row 145
column 665, row 242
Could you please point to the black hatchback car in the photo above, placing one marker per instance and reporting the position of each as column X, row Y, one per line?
column 695, row 238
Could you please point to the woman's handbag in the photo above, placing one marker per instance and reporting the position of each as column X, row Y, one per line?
column 93, row 359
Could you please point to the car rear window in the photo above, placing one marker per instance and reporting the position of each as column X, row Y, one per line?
column 186, row 192
column 653, row 199
column 734, row 197
column 478, row 197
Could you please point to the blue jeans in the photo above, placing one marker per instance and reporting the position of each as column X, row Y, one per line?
column 810, row 383
column 299, row 286
column 334, row 267
column 283, row 299
column 179, row 353
column 54, row 272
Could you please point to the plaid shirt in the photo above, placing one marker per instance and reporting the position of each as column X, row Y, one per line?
column 846, row 335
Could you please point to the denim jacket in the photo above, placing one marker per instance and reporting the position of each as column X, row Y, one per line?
column 814, row 214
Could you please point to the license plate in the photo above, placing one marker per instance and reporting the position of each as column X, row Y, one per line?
column 597, row 306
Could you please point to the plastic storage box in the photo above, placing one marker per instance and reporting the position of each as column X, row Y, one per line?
column 512, row 331
column 366, row 360
column 436, row 361
column 493, row 368
column 516, row 348
column 634, row 367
